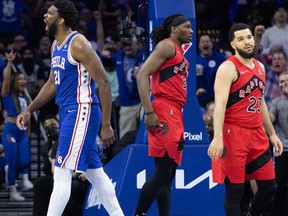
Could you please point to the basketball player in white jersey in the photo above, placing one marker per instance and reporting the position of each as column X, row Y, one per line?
column 74, row 67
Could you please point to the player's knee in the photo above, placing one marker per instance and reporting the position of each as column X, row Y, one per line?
column 267, row 188
column 234, row 195
column 235, row 192
column 272, row 190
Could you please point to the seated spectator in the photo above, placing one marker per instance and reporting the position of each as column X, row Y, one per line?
column 209, row 126
column 210, row 106
column 208, row 119
column 51, row 126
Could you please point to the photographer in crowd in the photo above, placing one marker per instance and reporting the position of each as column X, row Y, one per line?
column 128, row 62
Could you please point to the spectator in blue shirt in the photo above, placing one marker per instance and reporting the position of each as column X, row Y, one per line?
column 207, row 63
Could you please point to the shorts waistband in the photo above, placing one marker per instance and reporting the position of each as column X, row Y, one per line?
column 173, row 103
column 246, row 126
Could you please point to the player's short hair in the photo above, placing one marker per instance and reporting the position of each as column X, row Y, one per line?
column 67, row 11
column 237, row 27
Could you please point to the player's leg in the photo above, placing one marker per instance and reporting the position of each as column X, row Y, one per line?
column 164, row 195
column 263, row 196
column 61, row 191
column 105, row 189
column 233, row 196
column 231, row 167
column 164, row 168
column 260, row 167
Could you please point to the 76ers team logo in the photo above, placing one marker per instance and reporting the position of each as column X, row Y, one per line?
column 59, row 158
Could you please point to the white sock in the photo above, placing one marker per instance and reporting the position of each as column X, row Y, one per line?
column 25, row 177
column 6, row 175
column 104, row 187
column 61, row 191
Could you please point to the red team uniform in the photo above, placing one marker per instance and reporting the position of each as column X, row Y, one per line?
column 169, row 90
column 246, row 146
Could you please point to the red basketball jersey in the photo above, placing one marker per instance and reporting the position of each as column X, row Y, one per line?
column 245, row 96
column 169, row 81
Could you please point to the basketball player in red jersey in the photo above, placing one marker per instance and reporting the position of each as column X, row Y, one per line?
column 240, row 148
column 163, row 118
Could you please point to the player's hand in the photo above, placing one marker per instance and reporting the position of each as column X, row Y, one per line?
column 152, row 122
column 107, row 135
column 277, row 144
column 82, row 177
column 215, row 149
column 22, row 119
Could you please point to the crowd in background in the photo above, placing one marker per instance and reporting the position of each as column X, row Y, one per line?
column 22, row 34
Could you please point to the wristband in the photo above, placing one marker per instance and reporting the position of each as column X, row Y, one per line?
column 149, row 113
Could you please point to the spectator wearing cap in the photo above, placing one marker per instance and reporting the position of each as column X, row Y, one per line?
column 128, row 62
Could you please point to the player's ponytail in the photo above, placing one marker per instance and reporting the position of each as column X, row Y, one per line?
column 164, row 30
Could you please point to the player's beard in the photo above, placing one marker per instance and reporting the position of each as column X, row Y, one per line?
column 246, row 55
column 52, row 30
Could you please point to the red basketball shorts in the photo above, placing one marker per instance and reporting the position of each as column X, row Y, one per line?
column 248, row 155
column 170, row 137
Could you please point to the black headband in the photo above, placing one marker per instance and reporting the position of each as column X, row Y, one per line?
column 178, row 21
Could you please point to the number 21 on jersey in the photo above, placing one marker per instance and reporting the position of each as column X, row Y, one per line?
column 57, row 77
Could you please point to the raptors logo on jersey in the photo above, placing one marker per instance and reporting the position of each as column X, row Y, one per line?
column 245, row 97
column 170, row 80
